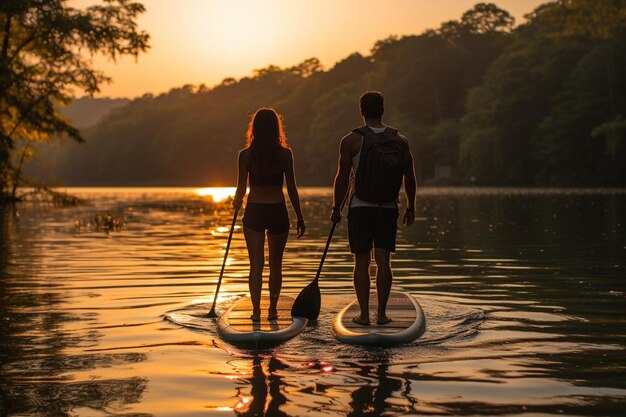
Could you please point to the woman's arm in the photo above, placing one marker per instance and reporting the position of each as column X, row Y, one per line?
column 242, row 180
column 292, row 190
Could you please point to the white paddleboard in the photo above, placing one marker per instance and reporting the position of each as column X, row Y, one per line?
column 235, row 325
column 408, row 322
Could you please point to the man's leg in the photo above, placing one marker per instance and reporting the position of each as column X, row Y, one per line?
column 361, row 234
column 361, row 279
column 384, row 279
column 384, row 244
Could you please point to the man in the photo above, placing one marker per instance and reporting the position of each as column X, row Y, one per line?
column 380, row 160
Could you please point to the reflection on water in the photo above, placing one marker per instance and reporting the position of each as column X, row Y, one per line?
column 40, row 339
column 523, row 291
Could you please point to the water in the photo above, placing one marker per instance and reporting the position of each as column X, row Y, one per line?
column 523, row 292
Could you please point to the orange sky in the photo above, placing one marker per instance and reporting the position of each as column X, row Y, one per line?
column 205, row 41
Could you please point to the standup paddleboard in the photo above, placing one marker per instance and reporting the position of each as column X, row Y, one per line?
column 235, row 325
column 408, row 322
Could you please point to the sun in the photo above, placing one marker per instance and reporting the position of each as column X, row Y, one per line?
column 234, row 31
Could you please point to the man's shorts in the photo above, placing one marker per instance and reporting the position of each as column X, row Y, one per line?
column 369, row 226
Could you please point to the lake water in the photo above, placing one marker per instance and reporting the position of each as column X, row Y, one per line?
column 523, row 291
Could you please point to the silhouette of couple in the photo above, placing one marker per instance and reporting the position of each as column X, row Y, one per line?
column 374, row 161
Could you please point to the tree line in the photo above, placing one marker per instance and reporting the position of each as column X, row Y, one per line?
column 482, row 101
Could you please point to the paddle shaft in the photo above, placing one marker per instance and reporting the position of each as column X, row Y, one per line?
column 308, row 302
column 330, row 238
column 219, row 281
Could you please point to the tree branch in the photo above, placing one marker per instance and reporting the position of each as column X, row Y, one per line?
column 23, row 115
column 17, row 171
column 7, row 35
column 22, row 45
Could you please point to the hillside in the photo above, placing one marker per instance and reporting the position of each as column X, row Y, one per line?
column 86, row 111
column 481, row 101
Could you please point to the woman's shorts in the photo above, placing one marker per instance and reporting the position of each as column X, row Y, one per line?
column 372, row 226
column 271, row 217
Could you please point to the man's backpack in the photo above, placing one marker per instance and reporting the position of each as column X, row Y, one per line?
column 381, row 165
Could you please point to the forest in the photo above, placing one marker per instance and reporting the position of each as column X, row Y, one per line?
column 482, row 101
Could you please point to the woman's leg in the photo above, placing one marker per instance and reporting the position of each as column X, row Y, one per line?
column 276, row 245
column 255, row 241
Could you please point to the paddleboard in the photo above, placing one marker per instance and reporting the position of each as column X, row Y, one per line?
column 408, row 322
column 235, row 325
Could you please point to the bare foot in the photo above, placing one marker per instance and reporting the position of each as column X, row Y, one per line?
column 272, row 314
column 383, row 319
column 255, row 316
column 363, row 321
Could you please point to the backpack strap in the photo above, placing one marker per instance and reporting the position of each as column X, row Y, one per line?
column 391, row 130
column 369, row 137
column 363, row 130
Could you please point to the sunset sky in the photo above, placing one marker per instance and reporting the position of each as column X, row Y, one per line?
column 205, row 41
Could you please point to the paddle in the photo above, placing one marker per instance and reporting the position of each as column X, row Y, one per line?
column 219, row 281
column 309, row 301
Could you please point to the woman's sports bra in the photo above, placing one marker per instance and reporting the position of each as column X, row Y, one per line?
column 264, row 180
column 268, row 180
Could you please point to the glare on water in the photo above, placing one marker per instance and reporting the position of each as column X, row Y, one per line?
column 217, row 194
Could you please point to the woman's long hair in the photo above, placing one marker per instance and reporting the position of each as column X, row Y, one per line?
column 266, row 138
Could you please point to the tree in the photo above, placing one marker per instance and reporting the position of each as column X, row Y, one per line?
column 487, row 18
column 549, row 108
column 45, row 56
column 307, row 68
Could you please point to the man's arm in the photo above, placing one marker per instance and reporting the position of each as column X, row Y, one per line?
column 342, row 179
column 410, row 188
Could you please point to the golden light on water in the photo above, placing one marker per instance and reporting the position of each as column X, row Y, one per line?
column 221, row 297
column 243, row 404
column 218, row 194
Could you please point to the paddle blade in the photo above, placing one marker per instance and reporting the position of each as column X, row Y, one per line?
column 308, row 302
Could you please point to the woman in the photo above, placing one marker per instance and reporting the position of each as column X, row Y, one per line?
column 265, row 161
